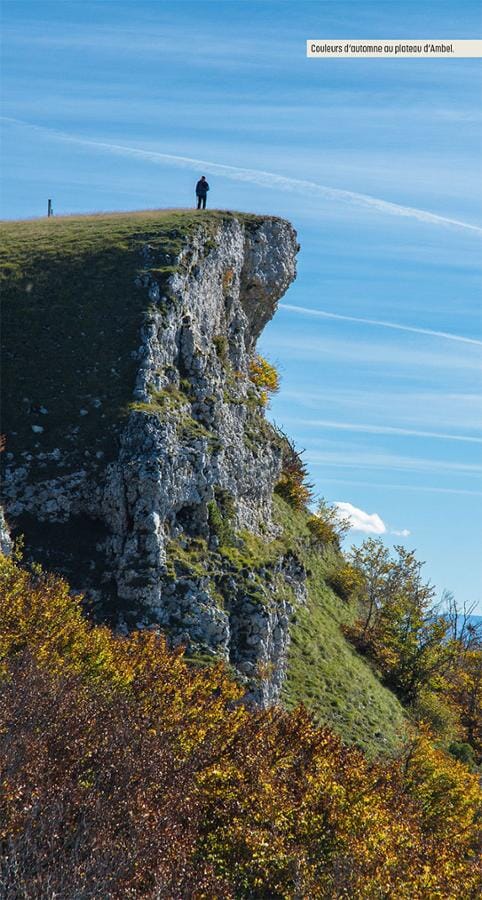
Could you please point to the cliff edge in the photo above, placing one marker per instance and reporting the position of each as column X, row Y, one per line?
column 139, row 462
column 132, row 499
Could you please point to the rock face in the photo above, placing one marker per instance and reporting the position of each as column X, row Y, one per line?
column 5, row 539
column 155, row 536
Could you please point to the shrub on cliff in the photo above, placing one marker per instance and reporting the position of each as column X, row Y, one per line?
column 264, row 376
column 327, row 526
column 293, row 485
column 345, row 580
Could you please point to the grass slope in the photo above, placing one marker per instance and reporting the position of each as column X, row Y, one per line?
column 324, row 672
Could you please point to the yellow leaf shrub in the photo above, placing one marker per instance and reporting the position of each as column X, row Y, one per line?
column 125, row 770
column 264, row 376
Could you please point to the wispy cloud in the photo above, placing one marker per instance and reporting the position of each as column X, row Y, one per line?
column 354, row 459
column 212, row 50
column 402, row 487
column 380, row 323
column 382, row 356
column 385, row 429
column 416, row 409
column 259, row 177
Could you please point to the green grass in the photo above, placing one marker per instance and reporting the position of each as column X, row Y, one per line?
column 164, row 404
column 71, row 318
column 188, row 560
column 324, row 672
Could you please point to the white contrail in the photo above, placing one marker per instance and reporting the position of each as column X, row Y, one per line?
column 446, row 335
column 384, row 429
column 259, row 177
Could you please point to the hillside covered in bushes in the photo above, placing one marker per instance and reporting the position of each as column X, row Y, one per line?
column 127, row 772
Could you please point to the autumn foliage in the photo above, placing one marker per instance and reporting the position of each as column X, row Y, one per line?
column 264, row 376
column 293, row 485
column 431, row 657
column 126, row 773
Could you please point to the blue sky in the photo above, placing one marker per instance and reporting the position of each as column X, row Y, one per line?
column 376, row 163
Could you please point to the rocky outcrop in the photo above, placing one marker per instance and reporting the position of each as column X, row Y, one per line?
column 145, row 534
column 6, row 543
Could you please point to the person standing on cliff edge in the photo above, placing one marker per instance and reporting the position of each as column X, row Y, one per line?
column 202, row 188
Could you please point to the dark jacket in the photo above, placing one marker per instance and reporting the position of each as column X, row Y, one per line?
column 202, row 188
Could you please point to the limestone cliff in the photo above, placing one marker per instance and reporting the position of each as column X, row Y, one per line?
column 147, row 511
column 139, row 462
column 5, row 538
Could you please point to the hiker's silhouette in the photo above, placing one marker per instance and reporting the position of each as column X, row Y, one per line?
column 202, row 188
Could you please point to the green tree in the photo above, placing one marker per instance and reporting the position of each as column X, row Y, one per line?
column 399, row 624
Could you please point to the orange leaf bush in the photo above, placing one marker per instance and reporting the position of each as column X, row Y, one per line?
column 127, row 773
